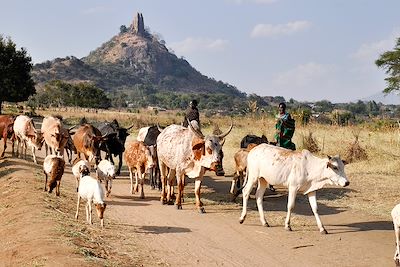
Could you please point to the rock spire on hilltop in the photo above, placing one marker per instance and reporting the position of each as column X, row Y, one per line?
column 138, row 24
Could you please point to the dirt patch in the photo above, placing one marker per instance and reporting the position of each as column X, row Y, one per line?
column 39, row 229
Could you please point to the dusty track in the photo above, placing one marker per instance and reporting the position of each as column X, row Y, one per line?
column 144, row 232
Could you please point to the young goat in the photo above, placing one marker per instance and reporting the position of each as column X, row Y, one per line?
column 396, row 223
column 106, row 171
column 78, row 172
column 54, row 166
column 90, row 190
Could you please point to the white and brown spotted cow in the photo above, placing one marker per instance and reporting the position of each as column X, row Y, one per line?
column 27, row 135
column 186, row 151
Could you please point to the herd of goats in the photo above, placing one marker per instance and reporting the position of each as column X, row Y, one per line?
column 169, row 156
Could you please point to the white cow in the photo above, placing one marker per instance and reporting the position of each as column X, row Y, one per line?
column 396, row 223
column 299, row 171
column 55, row 135
column 27, row 135
column 186, row 151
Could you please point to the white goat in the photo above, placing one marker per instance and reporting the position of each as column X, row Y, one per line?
column 78, row 172
column 90, row 190
column 396, row 223
column 106, row 171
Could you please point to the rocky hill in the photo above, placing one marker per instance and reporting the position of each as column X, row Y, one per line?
column 131, row 58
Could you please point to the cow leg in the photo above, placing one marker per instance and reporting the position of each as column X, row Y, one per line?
column 151, row 178
column 197, row 186
column 262, row 185
column 397, row 251
column 163, row 176
column 131, row 178
column 109, row 190
column 290, row 206
column 136, row 189
column 34, row 154
column 45, row 183
column 77, row 208
column 158, row 177
column 170, row 182
column 233, row 185
column 4, row 146
column 245, row 195
column 312, row 198
column 180, row 181
column 141, row 176
column 119, row 164
column 58, row 188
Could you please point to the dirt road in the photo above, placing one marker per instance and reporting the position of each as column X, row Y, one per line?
column 185, row 237
column 143, row 232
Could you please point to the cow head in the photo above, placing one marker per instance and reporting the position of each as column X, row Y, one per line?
column 61, row 137
column 208, row 149
column 334, row 171
column 100, row 208
column 37, row 139
column 151, row 156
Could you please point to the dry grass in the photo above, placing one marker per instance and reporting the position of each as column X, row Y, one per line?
column 373, row 182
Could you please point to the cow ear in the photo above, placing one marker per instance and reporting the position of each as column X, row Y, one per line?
column 198, row 147
column 329, row 157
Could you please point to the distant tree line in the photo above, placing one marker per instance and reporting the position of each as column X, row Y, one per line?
column 59, row 93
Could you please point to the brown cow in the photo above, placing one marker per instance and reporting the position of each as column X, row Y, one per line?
column 26, row 134
column 138, row 157
column 6, row 131
column 240, row 158
column 87, row 141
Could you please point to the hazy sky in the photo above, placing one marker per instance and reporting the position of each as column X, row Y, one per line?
column 306, row 50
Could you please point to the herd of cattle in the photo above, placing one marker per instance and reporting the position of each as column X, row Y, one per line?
column 170, row 155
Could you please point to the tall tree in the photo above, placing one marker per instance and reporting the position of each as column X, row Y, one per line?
column 16, row 83
column 390, row 61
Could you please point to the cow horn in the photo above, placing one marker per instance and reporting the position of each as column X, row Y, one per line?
column 159, row 128
column 70, row 128
column 196, row 131
column 130, row 126
column 227, row 132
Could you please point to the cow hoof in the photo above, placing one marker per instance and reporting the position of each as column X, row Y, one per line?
column 163, row 202
column 178, row 207
column 288, row 228
column 202, row 210
column 265, row 224
column 170, row 202
column 241, row 220
column 142, row 197
column 324, row 232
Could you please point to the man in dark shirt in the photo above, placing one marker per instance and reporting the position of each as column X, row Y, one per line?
column 192, row 113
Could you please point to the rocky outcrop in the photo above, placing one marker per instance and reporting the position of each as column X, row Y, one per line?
column 137, row 26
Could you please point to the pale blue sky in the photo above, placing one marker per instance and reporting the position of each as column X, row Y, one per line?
column 306, row 50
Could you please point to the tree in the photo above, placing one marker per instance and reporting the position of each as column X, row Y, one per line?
column 16, row 83
column 390, row 61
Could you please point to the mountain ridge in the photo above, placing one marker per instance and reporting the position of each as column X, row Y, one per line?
column 129, row 59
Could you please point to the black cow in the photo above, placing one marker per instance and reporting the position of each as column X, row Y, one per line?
column 115, row 144
column 253, row 139
column 148, row 135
